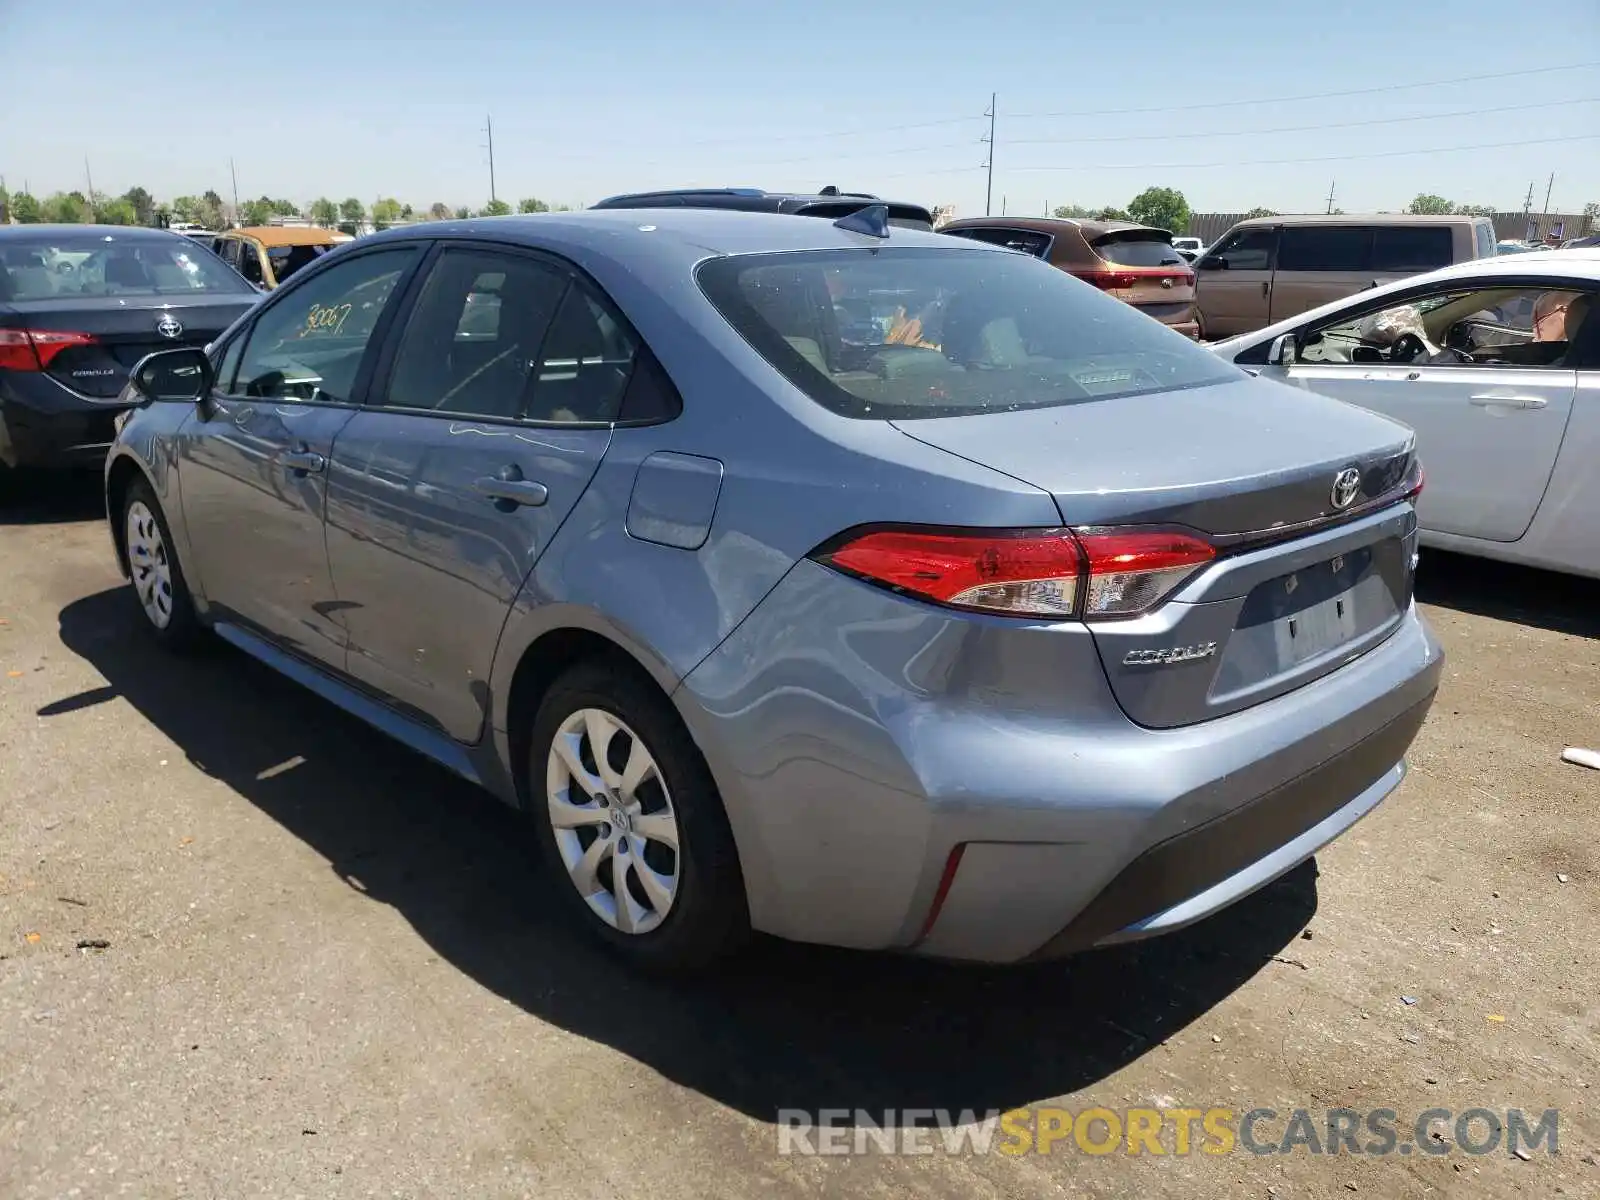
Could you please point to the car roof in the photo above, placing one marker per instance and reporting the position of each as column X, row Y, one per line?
column 680, row 233
column 286, row 235
column 122, row 232
column 1358, row 219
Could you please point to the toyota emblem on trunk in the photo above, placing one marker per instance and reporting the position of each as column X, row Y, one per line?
column 168, row 326
column 1346, row 487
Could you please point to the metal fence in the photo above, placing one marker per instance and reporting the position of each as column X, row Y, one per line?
column 1508, row 226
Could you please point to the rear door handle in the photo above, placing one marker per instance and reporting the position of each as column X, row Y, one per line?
column 509, row 490
column 1266, row 288
column 1492, row 401
column 303, row 461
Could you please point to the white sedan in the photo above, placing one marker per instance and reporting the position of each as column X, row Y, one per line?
column 1496, row 364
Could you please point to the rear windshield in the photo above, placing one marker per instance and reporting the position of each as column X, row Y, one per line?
column 286, row 260
column 900, row 334
column 51, row 266
column 1028, row 241
column 1136, row 249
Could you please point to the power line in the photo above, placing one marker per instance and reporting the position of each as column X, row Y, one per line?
column 1270, row 162
column 1372, row 91
column 1175, row 137
column 1257, row 162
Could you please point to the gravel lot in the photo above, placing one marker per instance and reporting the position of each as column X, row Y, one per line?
column 329, row 969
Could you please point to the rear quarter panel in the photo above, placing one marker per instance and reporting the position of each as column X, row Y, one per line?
column 1565, row 534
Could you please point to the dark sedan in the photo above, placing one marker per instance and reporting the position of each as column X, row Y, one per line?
column 79, row 305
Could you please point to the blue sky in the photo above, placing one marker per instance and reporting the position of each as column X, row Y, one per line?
column 368, row 99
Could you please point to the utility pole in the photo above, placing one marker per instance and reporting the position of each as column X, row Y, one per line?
column 1331, row 185
column 988, row 196
column 235, row 176
column 94, row 215
column 1550, row 187
column 1527, row 204
column 488, row 128
column 1003, row 211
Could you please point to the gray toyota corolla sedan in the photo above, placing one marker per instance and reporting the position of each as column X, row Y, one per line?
column 855, row 584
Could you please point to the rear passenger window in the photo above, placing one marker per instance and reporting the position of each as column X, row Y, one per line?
column 1410, row 250
column 585, row 364
column 1324, row 248
column 472, row 341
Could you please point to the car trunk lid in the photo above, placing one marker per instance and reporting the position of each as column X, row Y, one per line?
column 90, row 345
column 1302, row 580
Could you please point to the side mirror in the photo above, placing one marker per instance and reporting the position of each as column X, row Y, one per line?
column 1282, row 352
column 183, row 376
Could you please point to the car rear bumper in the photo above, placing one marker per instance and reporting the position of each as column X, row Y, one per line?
column 43, row 424
column 883, row 761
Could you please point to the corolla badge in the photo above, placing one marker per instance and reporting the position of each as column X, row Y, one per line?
column 168, row 327
column 1346, row 487
column 1169, row 655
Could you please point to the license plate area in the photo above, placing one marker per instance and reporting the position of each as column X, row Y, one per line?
column 1314, row 610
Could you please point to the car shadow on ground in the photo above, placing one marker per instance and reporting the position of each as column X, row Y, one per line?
column 50, row 497
column 784, row 1027
column 1502, row 591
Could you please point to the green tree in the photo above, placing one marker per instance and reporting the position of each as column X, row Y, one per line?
column 66, row 208
column 1259, row 212
column 407, row 213
column 187, row 208
column 351, row 213
column 25, row 209
column 385, row 213
column 1108, row 213
column 115, row 211
column 144, row 205
column 1160, row 208
column 258, row 212
column 438, row 211
column 324, row 212
column 1066, row 211
column 463, row 213
column 531, row 205
column 5, row 206
column 1427, row 204
column 495, row 208
column 1475, row 210
column 211, row 214
column 286, row 208
column 1591, row 217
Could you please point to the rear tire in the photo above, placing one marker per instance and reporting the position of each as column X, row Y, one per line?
column 630, row 821
column 159, row 587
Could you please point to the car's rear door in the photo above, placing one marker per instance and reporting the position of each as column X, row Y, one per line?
column 492, row 413
column 1318, row 264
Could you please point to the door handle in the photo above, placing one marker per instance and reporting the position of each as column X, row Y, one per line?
column 302, row 461
column 510, row 490
column 1266, row 288
column 1492, row 401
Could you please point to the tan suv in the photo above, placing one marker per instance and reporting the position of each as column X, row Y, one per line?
column 1135, row 263
column 1269, row 268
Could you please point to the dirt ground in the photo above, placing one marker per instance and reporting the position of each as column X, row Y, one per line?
column 250, row 948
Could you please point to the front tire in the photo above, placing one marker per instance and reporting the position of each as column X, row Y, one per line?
column 158, row 583
column 630, row 821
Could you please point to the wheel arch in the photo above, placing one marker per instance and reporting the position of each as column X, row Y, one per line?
column 121, row 473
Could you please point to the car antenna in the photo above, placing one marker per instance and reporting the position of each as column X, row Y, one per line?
column 873, row 220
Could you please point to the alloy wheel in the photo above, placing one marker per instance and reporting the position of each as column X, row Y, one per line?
column 614, row 822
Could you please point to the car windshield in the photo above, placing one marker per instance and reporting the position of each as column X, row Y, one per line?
column 70, row 265
column 898, row 334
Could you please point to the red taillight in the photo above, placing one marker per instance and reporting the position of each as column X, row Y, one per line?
column 35, row 349
column 1416, row 487
column 1031, row 572
column 1131, row 571
column 1115, row 278
column 1042, row 573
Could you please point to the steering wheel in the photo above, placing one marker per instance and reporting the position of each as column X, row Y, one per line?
column 1408, row 347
